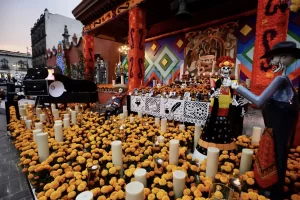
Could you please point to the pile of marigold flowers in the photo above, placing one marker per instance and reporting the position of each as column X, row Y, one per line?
column 65, row 173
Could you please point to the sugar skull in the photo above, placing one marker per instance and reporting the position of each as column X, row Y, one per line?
column 225, row 64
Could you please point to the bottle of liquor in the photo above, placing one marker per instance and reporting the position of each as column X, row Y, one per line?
column 236, row 183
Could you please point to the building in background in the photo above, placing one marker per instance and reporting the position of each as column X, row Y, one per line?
column 47, row 31
column 14, row 64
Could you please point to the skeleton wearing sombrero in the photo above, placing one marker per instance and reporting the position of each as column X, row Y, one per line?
column 280, row 111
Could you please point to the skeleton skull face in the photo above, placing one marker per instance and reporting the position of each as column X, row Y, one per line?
column 120, row 90
column 225, row 71
column 279, row 62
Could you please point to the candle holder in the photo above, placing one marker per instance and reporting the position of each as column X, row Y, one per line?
column 236, row 184
column 92, row 174
column 220, row 191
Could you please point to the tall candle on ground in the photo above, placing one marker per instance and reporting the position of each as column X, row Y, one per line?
column 122, row 117
column 246, row 160
column 28, row 124
column 181, row 127
column 66, row 123
column 134, row 191
column 163, row 126
column 256, row 135
column 66, row 116
column 154, row 83
column 55, row 113
column 76, row 108
column 132, row 119
column 116, row 147
column 125, row 113
column 53, row 107
column 125, row 108
column 22, row 112
column 157, row 120
column 178, row 183
column 42, row 143
column 73, row 115
column 140, row 114
column 197, row 134
column 58, row 122
column 140, row 176
column 86, row 195
column 38, row 112
column 43, row 117
column 122, row 79
column 174, row 152
column 58, row 133
column 38, row 125
column 34, row 132
column 113, row 83
column 212, row 162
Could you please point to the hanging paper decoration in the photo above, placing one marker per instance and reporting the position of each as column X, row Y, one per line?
column 60, row 58
column 271, row 28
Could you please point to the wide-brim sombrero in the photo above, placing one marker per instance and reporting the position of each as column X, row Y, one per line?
column 286, row 47
column 123, row 86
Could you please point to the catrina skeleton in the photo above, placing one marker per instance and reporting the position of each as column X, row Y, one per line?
column 280, row 113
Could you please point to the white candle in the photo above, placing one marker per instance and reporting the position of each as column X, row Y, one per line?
column 22, row 112
column 181, row 127
column 42, row 143
column 212, row 162
column 132, row 119
column 246, row 161
column 66, row 116
column 122, row 79
column 73, row 114
column 163, row 126
column 86, row 195
column 134, row 191
column 178, row 183
column 43, row 117
column 174, row 152
column 140, row 176
column 154, row 83
column 197, row 134
column 38, row 125
column 125, row 113
column 76, row 108
column 116, row 147
column 256, row 135
column 55, row 113
column 66, row 123
column 58, row 122
column 160, row 139
column 140, row 114
column 113, row 83
column 28, row 124
column 34, row 132
column 122, row 117
column 59, row 137
column 53, row 107
column 248, row 83
column 157, row 120
column 125, row 108
column 38, row 112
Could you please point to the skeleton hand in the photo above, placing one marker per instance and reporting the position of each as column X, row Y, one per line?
column 234, row 85
column 216, row 94
column 242, row 101
column 113, row 97
column 243, row 112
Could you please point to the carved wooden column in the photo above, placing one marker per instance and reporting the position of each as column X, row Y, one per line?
column 88, row 53
column 136, row 41
column 271, row 28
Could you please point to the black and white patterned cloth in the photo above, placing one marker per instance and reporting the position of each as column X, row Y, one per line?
column 179, row 110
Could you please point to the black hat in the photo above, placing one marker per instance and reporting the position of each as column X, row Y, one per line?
column 283, row 47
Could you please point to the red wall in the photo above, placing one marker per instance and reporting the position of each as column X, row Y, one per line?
column 109, row 51
column 106, row 48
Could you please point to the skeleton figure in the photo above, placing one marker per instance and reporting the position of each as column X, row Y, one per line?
column 217, row 131
column 280, row 114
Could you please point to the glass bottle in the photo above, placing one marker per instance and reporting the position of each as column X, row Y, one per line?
column 236, row 183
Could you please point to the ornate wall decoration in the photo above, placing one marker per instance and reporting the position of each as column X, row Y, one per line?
column 206, row 46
